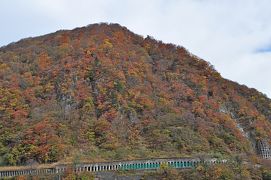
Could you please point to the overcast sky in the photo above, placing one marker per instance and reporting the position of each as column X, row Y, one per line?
column 234, row 35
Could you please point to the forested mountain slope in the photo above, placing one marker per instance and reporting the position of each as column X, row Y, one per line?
column 104, row 93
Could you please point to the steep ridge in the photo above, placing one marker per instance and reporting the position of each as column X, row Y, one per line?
column 103, row 92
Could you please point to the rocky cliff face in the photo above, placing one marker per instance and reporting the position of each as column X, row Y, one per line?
column 103, row 92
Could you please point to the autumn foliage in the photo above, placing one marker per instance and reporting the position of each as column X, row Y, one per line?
column 104, row 92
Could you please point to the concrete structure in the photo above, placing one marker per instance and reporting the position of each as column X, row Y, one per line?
column 150, row 164
column 263, row 149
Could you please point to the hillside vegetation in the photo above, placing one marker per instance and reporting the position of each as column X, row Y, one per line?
column 102, row 92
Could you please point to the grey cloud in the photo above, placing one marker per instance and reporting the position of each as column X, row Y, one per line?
column 227, row 33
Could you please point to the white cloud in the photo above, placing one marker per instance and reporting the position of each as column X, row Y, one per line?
column 226, row 32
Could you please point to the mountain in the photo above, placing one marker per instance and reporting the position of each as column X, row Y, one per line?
column 101, row 92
